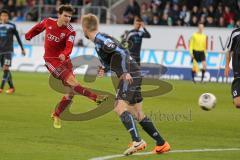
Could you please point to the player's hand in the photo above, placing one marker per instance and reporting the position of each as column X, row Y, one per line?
column 23, row 52
column 62, row 57
column 227, row 71
column 142, row 24
column 101, row 71
column 127, row 77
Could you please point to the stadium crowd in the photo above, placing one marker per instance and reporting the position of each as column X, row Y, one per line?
column 27, row 10
column 212, row 13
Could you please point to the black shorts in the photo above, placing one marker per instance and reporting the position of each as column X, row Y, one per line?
column 6, row 59
column 235, row 88
column 131, row 92
column 199, row 56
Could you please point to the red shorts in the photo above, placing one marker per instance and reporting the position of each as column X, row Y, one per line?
column 60, row 70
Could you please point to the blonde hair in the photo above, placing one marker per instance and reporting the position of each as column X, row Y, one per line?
column 90, row 21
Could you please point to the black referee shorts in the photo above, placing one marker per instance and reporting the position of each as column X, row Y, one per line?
column 199, row 56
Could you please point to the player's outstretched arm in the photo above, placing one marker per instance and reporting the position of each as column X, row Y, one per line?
column 38, row 28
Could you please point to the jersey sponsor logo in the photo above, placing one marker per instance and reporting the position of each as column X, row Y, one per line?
column 71, row 38
column 109, row 43
column 51, row 37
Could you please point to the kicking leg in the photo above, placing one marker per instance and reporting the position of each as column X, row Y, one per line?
column 71, row 80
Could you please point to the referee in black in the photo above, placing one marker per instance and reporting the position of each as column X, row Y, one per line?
column 134, row 37
column 233, row 53
column 7, row 30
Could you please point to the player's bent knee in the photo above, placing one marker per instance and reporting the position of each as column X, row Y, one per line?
column 72, row 81
column 119, row 108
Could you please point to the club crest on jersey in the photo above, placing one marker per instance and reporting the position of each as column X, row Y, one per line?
column 71, row 39
column 62, row 35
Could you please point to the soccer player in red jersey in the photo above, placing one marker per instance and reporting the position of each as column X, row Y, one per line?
column 59, row 40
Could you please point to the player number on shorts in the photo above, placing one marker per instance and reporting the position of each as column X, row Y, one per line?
column 7, row 62
column 234, row 93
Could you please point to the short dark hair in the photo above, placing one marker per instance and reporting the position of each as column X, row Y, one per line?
column 138, row 19
column 5, row 11
column 66, row 8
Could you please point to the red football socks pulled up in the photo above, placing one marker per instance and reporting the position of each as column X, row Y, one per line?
column 85, row 92
column 62, row 106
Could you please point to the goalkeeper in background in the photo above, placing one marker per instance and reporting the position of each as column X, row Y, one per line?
column 198, row 46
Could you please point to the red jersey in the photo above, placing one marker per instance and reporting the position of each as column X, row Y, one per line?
column 58, row 40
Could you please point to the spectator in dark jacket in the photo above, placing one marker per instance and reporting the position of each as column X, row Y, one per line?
column 132, row 10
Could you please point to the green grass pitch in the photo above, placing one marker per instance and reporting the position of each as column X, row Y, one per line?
column 26, row 131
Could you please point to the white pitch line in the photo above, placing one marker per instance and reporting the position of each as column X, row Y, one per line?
column 173, row 151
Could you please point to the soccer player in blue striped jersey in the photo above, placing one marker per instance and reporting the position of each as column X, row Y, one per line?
column 7, row 31
column 128, row 106
column 134, row 37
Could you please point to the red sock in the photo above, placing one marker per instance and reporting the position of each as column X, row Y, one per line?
column 62, row 106
column 85, row 92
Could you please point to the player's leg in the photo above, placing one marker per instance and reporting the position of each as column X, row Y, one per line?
column 148, row 126
column 62, row 105
column 236, row 92
column 72, row 81
column 237, row 102
column 129, row 123
column 195, row 65
column 7, row 77
column 204, row 65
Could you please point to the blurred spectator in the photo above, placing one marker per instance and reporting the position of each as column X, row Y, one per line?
column 221, row 22
column 218, row 12
column 202, row 20
column 204, row 12
column 194, row 21
column 174, row 14
column 146, row 13
column 184, row 15
column 11, row 8
column 238, row 24
column 156, row 20
column 231, row 24
column 32, row 12
column 132, row 10
column 206, row 3
column 167, row 8
column 228, row 15
column 164, row 20
column 195, row 12
column 210, row 22
column 211, row 11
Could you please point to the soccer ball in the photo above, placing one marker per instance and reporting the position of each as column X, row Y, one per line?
column 207, row 101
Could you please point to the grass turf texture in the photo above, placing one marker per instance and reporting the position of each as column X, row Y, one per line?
column 26, row 130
